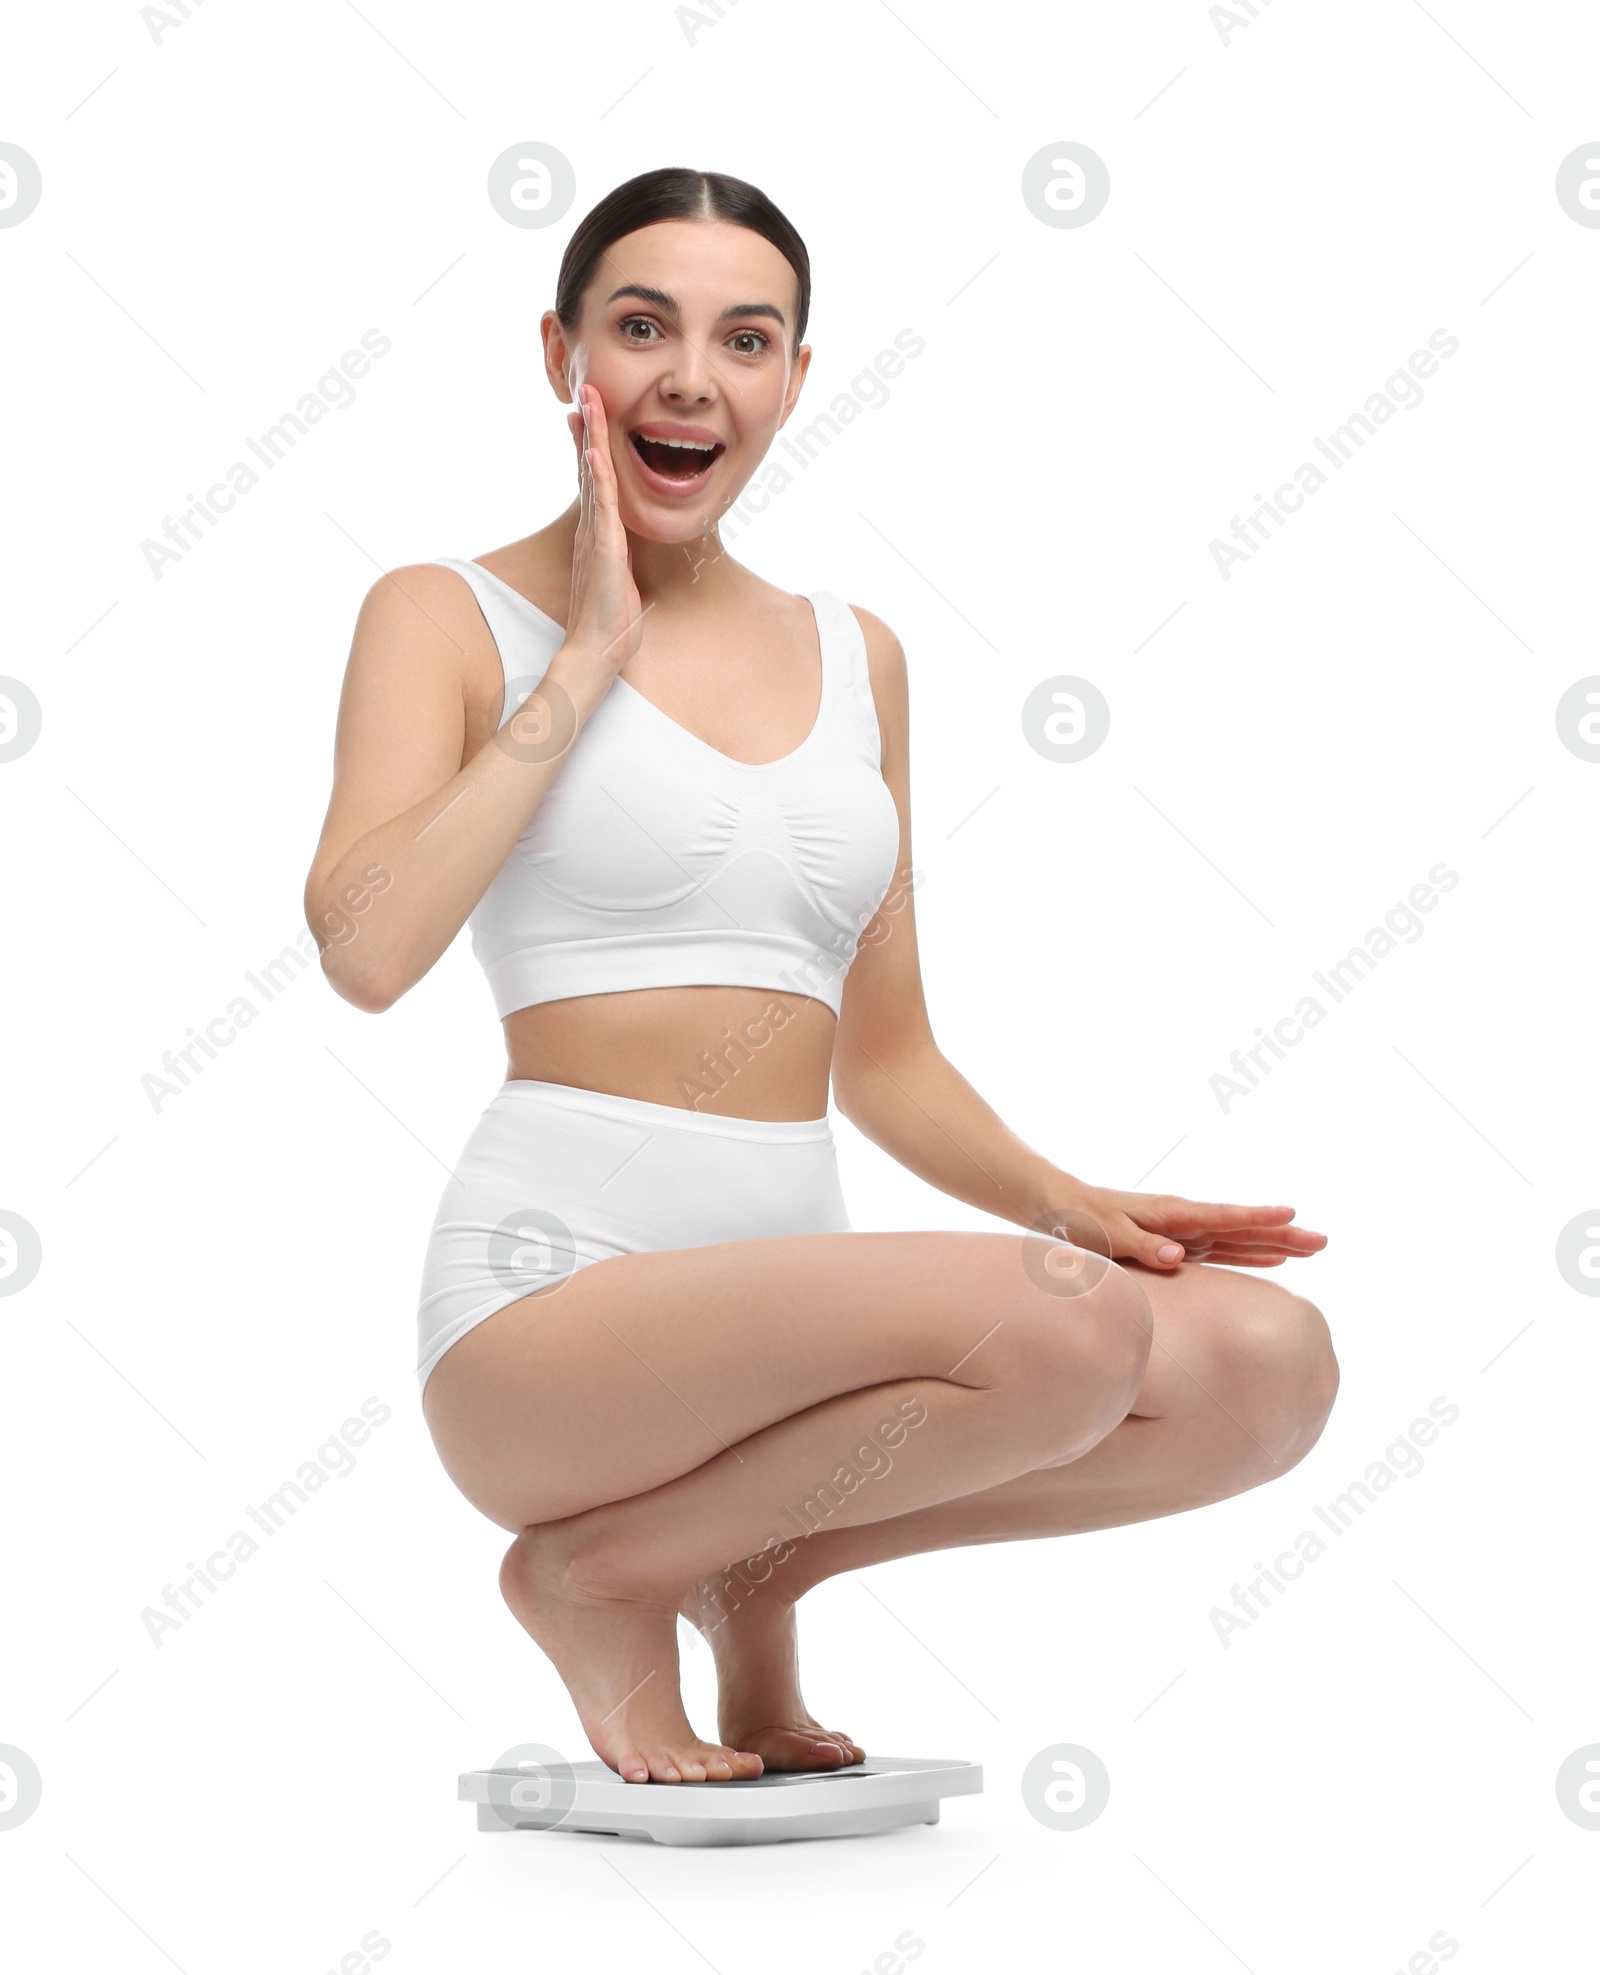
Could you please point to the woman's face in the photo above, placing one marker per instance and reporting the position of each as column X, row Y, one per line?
column 686, row 332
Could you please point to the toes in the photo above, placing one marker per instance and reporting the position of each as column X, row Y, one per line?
column 693, row 1765
column 714, row 1765
column 806, row 1748
column 729, row 1765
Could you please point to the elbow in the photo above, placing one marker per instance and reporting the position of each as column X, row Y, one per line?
column 352, row 963
column 857, row 1105
column 865, row 1110
column 843, row 1092
column 361, row 987
column 370, row 1000
column 867, row 1080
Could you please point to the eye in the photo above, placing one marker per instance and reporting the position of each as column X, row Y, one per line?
column 760, row 336
column 627, row 323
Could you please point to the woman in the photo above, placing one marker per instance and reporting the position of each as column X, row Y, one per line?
column 672, row 801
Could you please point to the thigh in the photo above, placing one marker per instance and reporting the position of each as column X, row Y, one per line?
column 638, row 1368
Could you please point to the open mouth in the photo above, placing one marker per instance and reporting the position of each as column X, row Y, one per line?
column 676, row 459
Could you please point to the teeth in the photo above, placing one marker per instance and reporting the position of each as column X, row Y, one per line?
column 686, row 445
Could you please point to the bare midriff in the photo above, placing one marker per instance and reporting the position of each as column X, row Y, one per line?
column 732, row 1052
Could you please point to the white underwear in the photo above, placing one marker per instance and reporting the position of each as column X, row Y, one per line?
column 554, row 1177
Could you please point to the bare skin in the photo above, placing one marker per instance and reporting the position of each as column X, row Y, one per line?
column 1242, row 1405
column 1231, row 1391
column 651, row 1429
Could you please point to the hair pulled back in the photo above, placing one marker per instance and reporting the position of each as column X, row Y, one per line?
column 674, row 192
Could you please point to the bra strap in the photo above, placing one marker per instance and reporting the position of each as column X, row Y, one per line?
column 507, row 628
column 846, row 654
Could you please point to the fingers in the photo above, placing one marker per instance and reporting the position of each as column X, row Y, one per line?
column 1262, row 1260
column 1290, row 1241
column 1198, row 1222
column 575, row 421
column 590, row 479
column 1224, row 1251
column 588, row 411
column 1237, row 1255
column 1281, row 1241
column 1151, row 1247
column 1228, row 1251
column 597, row 415
column 604, row 485
column 603, row 473
column 1180, row 1213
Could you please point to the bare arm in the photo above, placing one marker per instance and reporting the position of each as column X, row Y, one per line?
column 890, row 1078
column 412, row 835
column 895, row 1085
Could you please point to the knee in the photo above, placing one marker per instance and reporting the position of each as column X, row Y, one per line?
column 1282, row 1378
column 1083, row 1357
column 1126, row 1332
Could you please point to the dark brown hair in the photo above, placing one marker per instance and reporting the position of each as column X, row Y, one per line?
column 674, row 192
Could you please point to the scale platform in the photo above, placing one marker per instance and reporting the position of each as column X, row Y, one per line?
column 884, row 1793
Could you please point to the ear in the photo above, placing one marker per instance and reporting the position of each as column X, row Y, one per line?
column 557, row 355
column 797, row 377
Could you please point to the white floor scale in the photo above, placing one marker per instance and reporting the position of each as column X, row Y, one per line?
column 884, row 1793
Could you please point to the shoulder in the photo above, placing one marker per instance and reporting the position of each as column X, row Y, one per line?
column 421, row 622
column 884, row 649
column 886, row 659
column 421, row 600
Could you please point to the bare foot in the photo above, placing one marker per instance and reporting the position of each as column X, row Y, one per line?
column 618, row 1659
column 759, row 1707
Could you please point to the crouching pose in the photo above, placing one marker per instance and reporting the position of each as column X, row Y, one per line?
column 672, row 803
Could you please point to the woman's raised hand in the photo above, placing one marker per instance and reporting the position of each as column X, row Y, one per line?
column 604, row 620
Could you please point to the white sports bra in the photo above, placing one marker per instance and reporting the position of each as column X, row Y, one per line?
column 656, row 860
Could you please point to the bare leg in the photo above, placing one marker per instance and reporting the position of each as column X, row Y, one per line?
column 660, row 1414
column 1240, row 1381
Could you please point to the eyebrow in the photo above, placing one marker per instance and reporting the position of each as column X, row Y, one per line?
column 663, row 301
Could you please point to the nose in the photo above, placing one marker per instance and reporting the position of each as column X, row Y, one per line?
column 690, row 375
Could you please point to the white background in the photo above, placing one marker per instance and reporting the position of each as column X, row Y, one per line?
column 1293, row 211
